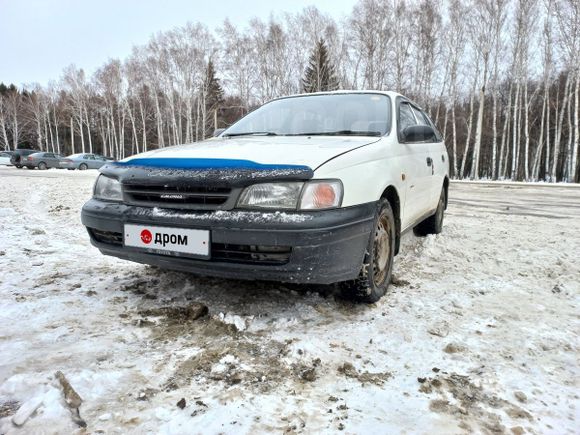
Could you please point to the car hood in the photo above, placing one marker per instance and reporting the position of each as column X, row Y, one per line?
column 251, row 152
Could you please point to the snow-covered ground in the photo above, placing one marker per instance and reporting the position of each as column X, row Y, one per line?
column 478, row 334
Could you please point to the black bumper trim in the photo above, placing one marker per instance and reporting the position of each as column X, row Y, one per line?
column 326, row 246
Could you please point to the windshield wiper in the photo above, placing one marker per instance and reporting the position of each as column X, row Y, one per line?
column 252, row 133
column 341, row 133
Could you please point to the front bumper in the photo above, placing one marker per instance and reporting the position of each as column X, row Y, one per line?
column 322, row 247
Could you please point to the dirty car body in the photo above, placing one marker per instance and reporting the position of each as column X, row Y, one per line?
column 289, row 193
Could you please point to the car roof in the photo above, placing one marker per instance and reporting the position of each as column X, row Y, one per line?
column 340, row 92
column 392, row 94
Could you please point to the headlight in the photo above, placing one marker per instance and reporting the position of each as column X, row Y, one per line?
column 108, row 189
column 271, row 195
column 313, row 195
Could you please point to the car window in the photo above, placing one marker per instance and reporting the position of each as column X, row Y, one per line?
column 420, row 116
column 86, row 157
column 49, row 155
column 406, row 117
column 438, row 134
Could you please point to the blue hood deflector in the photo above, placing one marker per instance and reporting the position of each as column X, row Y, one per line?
column 191, row 171
column 206, row 164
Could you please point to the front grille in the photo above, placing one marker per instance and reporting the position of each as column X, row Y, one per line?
column 252, row 254
column 184, row 197
column 107, row 237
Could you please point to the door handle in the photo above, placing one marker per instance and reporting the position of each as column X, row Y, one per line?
column 429, row 161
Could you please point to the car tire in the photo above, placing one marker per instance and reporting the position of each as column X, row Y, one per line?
column 375, row 275
column 433, row 224
column 83, row 167
column 42, row 166
column 18, row 166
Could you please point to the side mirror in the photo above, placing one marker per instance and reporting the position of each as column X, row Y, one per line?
column 218, row 131
column 418, row 133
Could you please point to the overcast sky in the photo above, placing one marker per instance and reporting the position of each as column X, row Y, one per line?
column 38, row 38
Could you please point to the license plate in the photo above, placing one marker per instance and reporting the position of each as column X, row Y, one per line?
column 168, row 240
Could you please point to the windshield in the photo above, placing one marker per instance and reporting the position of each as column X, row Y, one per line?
column 333, row 114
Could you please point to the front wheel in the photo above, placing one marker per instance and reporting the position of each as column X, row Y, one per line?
column 83, row 167
column 375, row 274
column 433, row 224
column 42, row 166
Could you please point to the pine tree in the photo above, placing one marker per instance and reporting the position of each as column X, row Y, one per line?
column 213, row 97
column 320, row 74
column 214, row 91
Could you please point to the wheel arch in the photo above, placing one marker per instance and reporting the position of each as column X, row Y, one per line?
column 391, row 195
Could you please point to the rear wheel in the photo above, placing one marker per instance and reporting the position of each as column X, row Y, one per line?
column 18, row 166
column 433, row 224
column 375, row 274
column 83, row 166
column 42, row 166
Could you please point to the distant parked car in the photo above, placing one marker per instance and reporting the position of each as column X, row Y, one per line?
column 42, row 161
column 19, row 155
column 83, row 161
column 5, row 158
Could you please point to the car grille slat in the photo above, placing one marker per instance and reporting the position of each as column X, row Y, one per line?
column 107, row 237
column 184, row 197
column 251, row 254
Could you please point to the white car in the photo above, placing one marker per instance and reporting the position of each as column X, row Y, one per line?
column 5, row 158
column 313, row 188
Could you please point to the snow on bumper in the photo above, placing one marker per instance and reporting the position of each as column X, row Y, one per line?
column 319, row 247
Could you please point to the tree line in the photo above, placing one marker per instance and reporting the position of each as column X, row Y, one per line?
column 500, row 78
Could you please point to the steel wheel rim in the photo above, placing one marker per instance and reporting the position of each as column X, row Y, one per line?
column 382, row 251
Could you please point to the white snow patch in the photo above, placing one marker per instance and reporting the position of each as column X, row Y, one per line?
column 233, row 216
column 503, row 276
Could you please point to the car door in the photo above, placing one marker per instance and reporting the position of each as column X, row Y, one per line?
column 47, row 158
column 416, row 168
column 93, row 162
column 436, row 155
column 52, row 161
